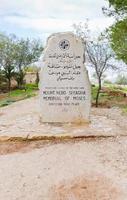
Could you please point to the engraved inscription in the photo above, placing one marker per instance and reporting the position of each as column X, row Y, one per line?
column 64, row 83
column 64, row 96
column 65, row 66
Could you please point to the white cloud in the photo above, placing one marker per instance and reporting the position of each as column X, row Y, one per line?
column 52, row 24
column 46, row 24
column 46, row 8
column 48, row 16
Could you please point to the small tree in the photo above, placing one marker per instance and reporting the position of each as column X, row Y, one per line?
column 98, row 53
column 7, row 57
column 99, row 56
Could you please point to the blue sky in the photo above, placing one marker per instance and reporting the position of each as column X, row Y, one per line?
column 40, row 18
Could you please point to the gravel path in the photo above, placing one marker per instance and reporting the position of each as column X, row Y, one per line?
column 21, row 120
column 91, row 168
column 69, row 170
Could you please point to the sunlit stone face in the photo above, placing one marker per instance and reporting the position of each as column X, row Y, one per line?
column 65, row 91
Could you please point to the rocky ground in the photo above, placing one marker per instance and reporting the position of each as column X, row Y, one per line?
column 91, row 168
column 21, row 121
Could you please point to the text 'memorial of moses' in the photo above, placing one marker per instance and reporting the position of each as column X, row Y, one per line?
column 65, row 90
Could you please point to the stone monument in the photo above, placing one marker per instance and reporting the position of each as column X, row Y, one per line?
column 65, row 90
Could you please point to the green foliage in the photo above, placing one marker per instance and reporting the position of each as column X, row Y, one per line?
column 119, row 5
column 121, row 80
column 6, row 102
column 3, row 82
column 124, row 108
column 32, row 68
column 107, row 82
column 18, row 94
column 118, row 36
column 7, row 57
column 32, row 86
column 15, row 55
column 118, row 32
column 117, row 8
column 27, row 52
column 94, row 93
column 109, row 97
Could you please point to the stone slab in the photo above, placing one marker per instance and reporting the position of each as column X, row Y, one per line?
column 65, row 89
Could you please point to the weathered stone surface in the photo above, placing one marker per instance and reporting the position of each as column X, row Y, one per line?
column 65, row 91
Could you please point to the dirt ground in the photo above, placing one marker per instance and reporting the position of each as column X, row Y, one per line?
column 91, row 168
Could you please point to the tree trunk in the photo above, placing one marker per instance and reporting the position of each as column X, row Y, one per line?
column 98, row 92
column 37, row 77
column 9, row 85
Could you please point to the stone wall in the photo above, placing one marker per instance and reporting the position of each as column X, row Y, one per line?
column 30, row 77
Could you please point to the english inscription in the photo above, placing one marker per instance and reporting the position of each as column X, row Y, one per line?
column 64, row 87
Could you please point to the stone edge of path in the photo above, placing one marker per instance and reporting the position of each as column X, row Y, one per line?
column 56, row 137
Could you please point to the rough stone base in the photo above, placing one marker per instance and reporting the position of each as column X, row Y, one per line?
column 20, row 121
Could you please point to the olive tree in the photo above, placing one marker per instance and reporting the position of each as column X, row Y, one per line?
column 7, row 58
column 27, row 52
